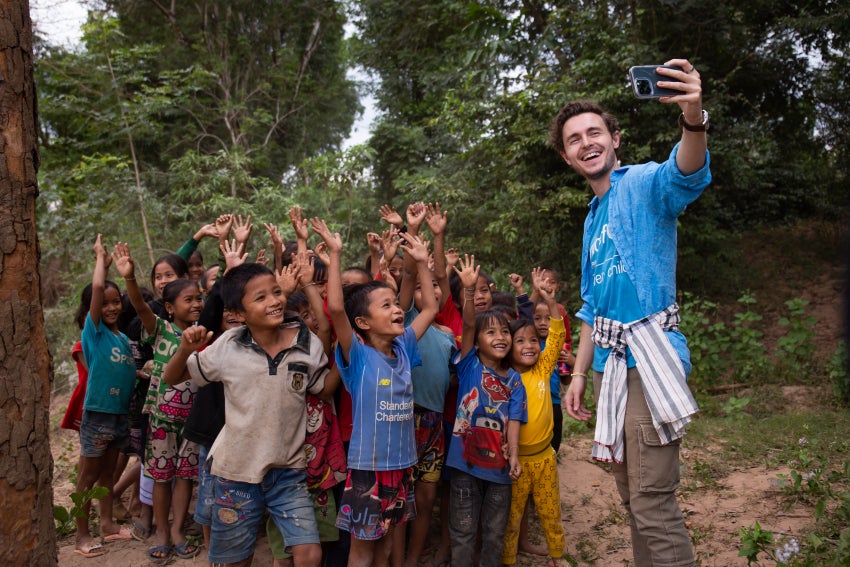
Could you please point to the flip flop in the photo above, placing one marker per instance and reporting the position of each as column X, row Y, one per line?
column 121, row 534
column 140, row 532
column 93, row 550
column 186, row 550
column 159, row 551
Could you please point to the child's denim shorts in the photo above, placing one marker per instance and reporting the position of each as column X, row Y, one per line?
column 238, row 512
column 206, row 496
column 101, row 431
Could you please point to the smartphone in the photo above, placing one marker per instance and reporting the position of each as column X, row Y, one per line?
column 645, row 81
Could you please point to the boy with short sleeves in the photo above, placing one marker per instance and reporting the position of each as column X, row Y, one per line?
column 258, row 460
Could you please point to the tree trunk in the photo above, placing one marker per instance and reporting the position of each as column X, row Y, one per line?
column 27, row 532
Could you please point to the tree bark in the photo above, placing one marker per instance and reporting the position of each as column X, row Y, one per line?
column 27, row 532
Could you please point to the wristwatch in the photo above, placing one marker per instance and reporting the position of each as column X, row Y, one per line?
column 701, row 127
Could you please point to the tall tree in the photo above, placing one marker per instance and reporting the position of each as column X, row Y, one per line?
column 26, row 468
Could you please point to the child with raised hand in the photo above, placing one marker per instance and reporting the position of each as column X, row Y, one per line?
column 430, row 384
column 168, row 459
column 375, row 353
column 536, row 455
column 483, row 451
column 104, row 429
column 323, row 445
column 258, row 459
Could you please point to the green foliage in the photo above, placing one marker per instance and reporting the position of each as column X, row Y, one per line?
column 838, row 375
column 796, row 346
column 753, row 541
column 66, row 517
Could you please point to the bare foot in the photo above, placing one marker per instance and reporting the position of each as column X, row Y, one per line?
column 532, row 549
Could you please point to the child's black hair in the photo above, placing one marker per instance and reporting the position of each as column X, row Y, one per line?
column 504, row 298
column 356, row 299
column 198, row 254
column 296, row 302
column 177, row 263
column 519, row 324
column 85, row 302
column 506, row 310
column 234, row 281
column 172, row 290
column 320, row 270
column 487, row 318
column 456, row 287
column 128, row 312
column 358, row 270
column 554, row 272
column 205, row 279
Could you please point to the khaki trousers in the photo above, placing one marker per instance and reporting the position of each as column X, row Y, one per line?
column 647, row 480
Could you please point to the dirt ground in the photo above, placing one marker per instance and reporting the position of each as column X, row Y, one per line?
column 594, row 521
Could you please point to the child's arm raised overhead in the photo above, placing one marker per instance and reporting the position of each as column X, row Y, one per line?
column 306, row 269
column 549, row 357
column 468, row 273
column 192, row 339
column 233, row 253
column 277, row 245
column 416, row 214
column 125, row 266
column 98, row 280
column 373, row 241
column 336, row 304
column 299, row 225
column 438, row 221
column 417, row 250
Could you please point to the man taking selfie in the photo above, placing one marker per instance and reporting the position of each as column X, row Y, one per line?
column 630, row 336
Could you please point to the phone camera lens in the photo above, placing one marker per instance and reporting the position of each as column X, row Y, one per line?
column 644, row 87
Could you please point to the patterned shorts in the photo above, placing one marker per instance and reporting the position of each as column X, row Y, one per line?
column 374, row 501
column 430, row 445
column 167, row 454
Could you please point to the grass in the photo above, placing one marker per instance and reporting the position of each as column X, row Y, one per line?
column 771, row 440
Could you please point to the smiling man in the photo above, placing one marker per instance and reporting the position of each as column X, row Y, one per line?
column 630, row 336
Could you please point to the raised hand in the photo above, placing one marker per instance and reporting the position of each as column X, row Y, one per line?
column 389, row 242
column 242, row 229
column 321, row 252
column 123, row 261
column 468, row 271
column 261, row 257
column 373, row 240
column 437, row 220
column 516, row 282
column 100, row 251
column 299, row 224
column 287, row 279
column 386, row 275
column 415, row 247
column 206, row 230
column 305, row 261
column 541, row 284
column 234, row 254
column 274, row 234
column 391, row 216
column 333, row 241
column 222, row 226
column 416, row 214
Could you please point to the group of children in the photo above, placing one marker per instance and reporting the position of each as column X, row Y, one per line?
column 231, row 378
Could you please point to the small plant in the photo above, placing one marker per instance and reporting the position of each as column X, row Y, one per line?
column 734, row 407
column 66, row 518
column 797, row 343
